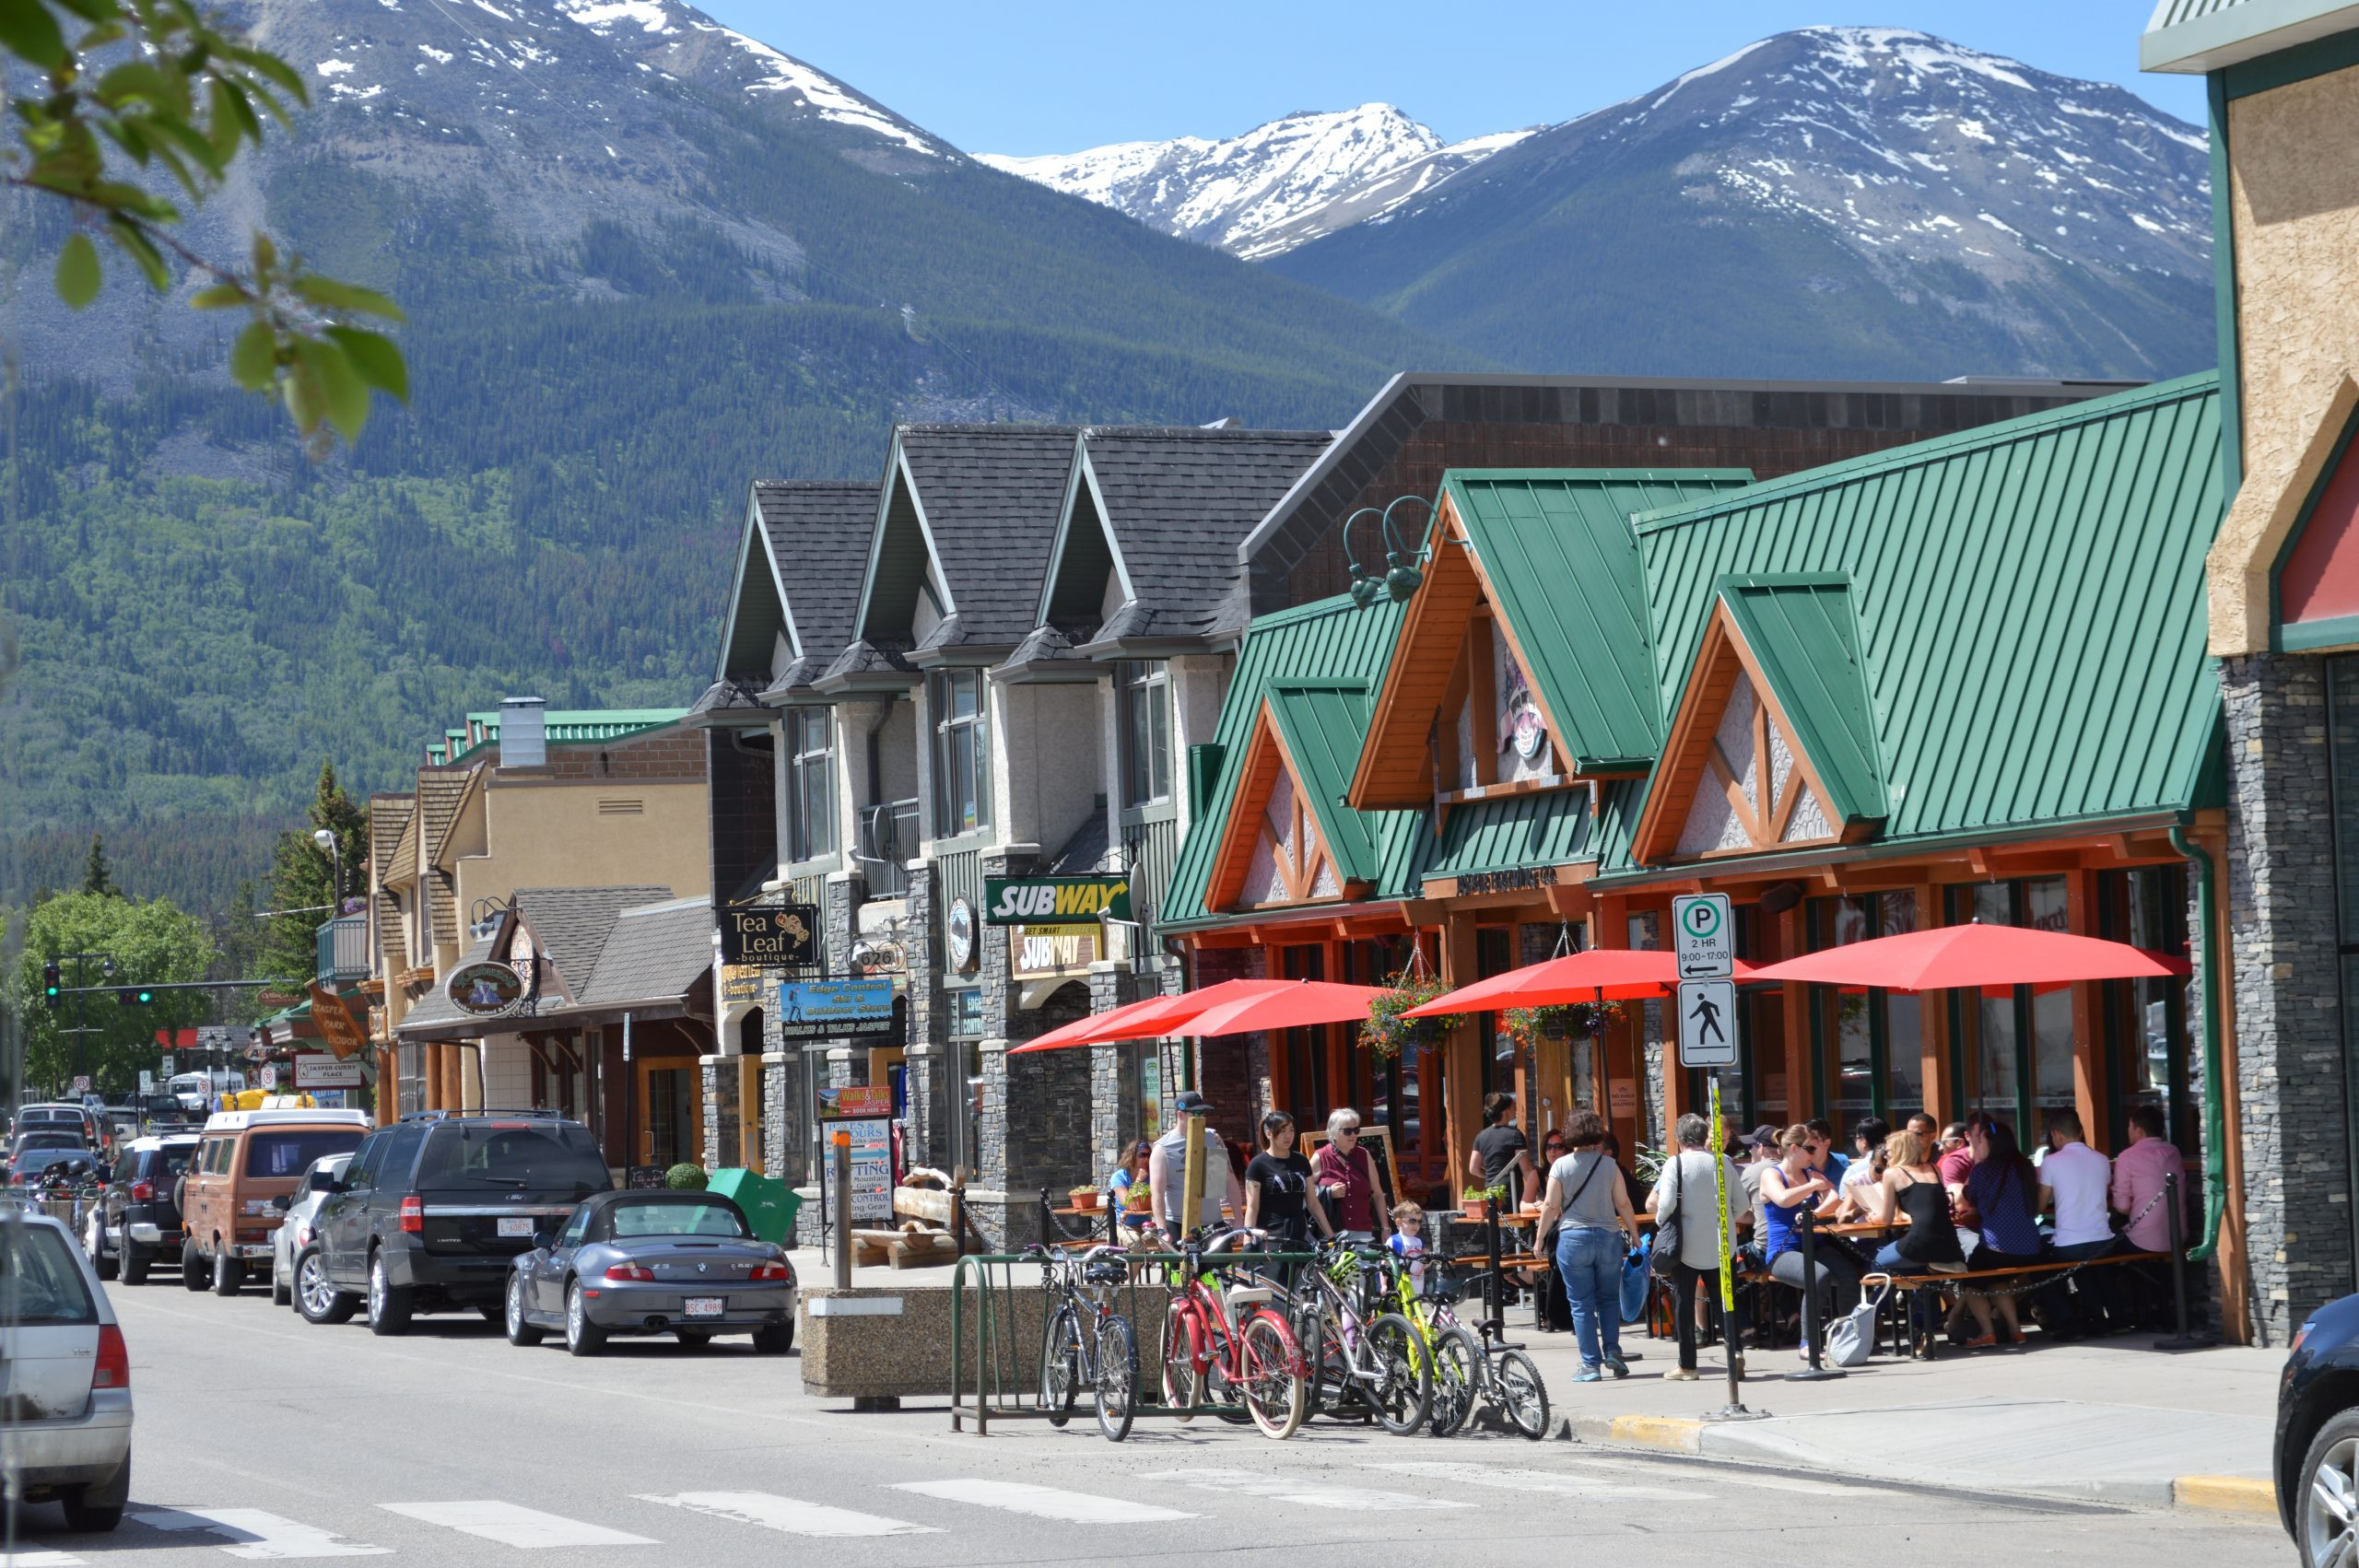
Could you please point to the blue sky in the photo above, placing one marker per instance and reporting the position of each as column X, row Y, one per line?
column 1053, row 76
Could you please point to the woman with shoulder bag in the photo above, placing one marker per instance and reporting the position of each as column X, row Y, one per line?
column 1585, row 1192
column 1685, row 1204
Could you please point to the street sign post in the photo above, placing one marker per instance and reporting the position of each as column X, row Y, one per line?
column 1703, row 936
column 1707, row 1024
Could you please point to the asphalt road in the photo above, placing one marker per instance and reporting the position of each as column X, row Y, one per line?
column 265, row 1438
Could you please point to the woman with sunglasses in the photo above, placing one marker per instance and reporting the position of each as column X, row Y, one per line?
column 1347, row 1184
column 1787, row 1187
column 1130, row 1173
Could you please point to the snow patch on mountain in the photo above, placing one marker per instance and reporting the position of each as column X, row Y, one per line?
column 1272, row 188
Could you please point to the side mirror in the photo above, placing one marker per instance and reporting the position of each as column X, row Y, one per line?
column 282, row 1202
column 542, row 1241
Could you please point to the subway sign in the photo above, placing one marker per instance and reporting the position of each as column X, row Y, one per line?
column 1043, row 902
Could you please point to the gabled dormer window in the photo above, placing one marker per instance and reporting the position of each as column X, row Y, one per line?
column 1144, row 688
column 962, row 799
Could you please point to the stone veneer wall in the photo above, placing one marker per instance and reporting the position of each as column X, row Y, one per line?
column 2290, row 1061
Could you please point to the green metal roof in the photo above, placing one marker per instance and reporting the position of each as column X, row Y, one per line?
column 2029, row 602
column 566, row 726
column 1803, row 633
column 1557, row 550
column 1327, row 643
column 1548, row 828
column 1323, row 727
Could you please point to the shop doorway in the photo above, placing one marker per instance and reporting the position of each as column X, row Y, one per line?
column 672, row 1136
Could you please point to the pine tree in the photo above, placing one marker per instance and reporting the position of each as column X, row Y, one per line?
column 95, row 877
column 300, row 878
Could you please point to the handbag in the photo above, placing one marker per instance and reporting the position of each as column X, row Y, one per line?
column 1665, row 1255
column 1853, row 1335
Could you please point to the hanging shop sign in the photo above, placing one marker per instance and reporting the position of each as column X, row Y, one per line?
column 958, row 935
column 773, row 936
column 315, row 1072
column 1042, row 954
column 742, row 985
column 484, row 989
column 866, row 1011
column 1058, row 906
column 346, row 1034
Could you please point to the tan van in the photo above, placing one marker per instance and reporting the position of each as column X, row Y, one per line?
column 247, row 1158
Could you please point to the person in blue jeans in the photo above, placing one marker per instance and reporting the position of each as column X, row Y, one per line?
column 1596, row 1230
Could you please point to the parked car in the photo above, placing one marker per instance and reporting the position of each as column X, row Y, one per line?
column 431, row 1211
column 69, row 1375
column 301, row 1210
column 134, row 1221
column 245, row 1159
column 2315, row 1461
column 69, row 1166
column 647, row 1262
column 54, row 1114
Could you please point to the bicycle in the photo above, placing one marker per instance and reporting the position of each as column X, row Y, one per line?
column 1359, row 1355
column 1106, row 1358
column 1230, row 1346
column 1467, row 1369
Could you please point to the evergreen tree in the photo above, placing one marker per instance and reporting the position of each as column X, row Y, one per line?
column 303, row 876
column 95, row 877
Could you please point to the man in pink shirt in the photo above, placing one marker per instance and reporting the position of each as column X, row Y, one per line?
column 2136, row 1189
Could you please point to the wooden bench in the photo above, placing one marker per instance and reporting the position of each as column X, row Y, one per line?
column 1917, row 1281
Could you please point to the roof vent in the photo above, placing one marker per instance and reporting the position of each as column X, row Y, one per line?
column 523, row 733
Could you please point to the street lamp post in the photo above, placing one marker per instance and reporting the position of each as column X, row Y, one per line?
column 333, row 847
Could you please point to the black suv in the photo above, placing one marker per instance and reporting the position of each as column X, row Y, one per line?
column 431, row 1209
column 135, row 1220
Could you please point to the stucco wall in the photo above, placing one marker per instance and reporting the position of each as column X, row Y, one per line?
column 1045, row 762
column 548, row 833
column 2293, row 201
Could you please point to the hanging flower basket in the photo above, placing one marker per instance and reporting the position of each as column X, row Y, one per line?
column 1387, row 1032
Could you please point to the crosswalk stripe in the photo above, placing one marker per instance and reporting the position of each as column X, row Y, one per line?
column 1043, row 1502
column 511, row 1524
column 259, row 1534
column 790, row 1515
column 1536, row 1480
column 1307, row 1493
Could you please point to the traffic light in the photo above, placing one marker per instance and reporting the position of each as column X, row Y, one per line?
column 52, row 980
column 135, row 996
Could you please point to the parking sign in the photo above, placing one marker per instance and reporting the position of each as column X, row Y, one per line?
column 1703, row 936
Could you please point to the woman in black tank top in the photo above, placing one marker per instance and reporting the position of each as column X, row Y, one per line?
column 1911, row 1189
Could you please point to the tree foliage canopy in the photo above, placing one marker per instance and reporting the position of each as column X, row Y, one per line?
column 151, row 943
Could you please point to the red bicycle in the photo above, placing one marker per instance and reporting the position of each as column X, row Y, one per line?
column 1224, row 1344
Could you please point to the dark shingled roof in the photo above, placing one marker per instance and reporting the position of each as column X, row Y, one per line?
column 819, row 532
column 991, row 495
column 435, row 1011
column 866, row 658
column 388, row 818
column 1178, row 501
column 571, row 924
column 653, row 954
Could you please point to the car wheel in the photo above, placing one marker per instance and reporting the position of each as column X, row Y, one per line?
column 776, row 1339
column 94, row 1242
column 136, row 1260
column 521, row 1330
column 98, row 1506
column 318, row 1300
column 193, row 1271
column 390, row 1306
column 228, row 1274
column 2326, row 1499
column 582, row 1338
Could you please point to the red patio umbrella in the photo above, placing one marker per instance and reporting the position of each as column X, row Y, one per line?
column 1294, row 1004
column 1601, row 974
column 1151, row 1018
column 1973, row 957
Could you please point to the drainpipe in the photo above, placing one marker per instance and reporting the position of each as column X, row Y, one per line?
column 2215, row 1114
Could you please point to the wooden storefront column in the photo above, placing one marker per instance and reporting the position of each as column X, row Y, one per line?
column 1676, row 1100
column 1802, row 1097
column 1942, row 1102
column 749, row 1113
column 2089, row 1075
column 1462, row 1082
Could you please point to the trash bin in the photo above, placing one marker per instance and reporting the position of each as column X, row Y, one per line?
column 769, row 1204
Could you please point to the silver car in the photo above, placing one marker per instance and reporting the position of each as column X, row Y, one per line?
column 65, row 1374
column 294, row 1232
column 653, row 1263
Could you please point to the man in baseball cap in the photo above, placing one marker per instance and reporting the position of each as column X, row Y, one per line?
column 1167, row 1168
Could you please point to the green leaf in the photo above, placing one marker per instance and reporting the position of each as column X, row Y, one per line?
column 252, row 358
column 307, row 399
column 142, row 249
column 330, row 294
column 347, row 393
column 270, row 65
column 28, row 31
column 232, row 116
column 265, row 254
column 102, row 13
column 374, row 360
column 221, row 296
column 77, row 272
column 139, row 79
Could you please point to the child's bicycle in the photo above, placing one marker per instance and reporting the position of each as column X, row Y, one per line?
column 1103, row 1354
column 1465, row 1369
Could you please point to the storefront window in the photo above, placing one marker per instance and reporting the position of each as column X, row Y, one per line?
column 2005, row 1078
column 1144, row 686
column 1871, row 1042
column 2146, row 1021
column 810, row 783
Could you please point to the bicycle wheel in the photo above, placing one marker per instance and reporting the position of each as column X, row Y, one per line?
column 1118, row 1377
column 1522, row 1397
column 1181, row 1381
column 1270, row 1380
column 1329, row 1363
column 1457, row 1379
column 1401, row 1383
column 1060, row 1365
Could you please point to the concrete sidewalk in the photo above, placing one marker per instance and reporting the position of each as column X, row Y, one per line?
column 2109, row 1419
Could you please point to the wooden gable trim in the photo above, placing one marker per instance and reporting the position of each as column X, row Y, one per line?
column 1395, row 766
column 1265, row 757
column 1691, row 761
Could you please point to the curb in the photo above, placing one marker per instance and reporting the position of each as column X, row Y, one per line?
column 2230, row 1496
column 2225, row 1494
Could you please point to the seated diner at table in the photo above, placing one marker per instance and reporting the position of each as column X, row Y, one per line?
column 1911, row 1191
column 2003, row 1194
column 1789, row 1187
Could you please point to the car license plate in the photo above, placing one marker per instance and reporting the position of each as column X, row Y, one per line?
column 702, row 1306
column 516, row 1227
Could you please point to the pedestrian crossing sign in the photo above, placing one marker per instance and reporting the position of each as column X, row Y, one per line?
column 1707, row 1024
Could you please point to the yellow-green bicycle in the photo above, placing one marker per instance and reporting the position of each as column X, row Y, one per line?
column 1465, row 1370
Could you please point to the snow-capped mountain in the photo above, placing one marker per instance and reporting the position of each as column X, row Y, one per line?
column 1277, row 186
column 1832, row 201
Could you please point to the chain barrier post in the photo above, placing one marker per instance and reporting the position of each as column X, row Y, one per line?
column 1815, row 1371
column 2185, row 1339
